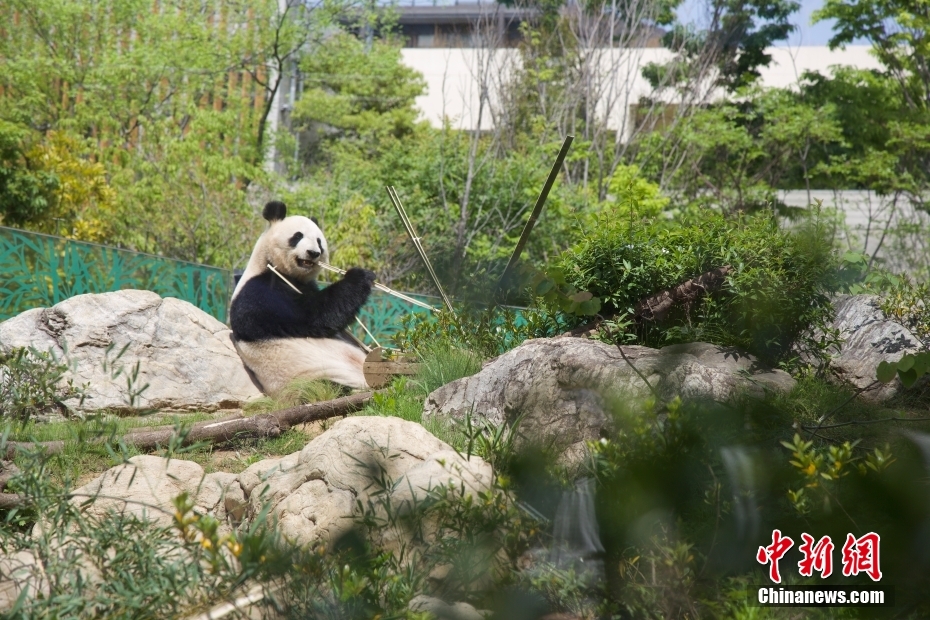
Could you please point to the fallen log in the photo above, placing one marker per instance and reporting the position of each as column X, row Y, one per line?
column 313, row 412
column 656, row 307
column 263, row 425
column 223, row 430
column 11, row 500
column 51, row 447
column 212, row 431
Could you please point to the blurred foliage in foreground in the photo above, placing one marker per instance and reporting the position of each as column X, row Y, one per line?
column 685, row 494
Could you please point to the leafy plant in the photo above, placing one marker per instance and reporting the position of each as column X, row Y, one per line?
column 823, row 467
column 909, row 368
column 31, row 384
column 908, row 303
column 778, row 285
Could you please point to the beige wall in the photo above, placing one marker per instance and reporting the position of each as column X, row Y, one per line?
column 453, row 77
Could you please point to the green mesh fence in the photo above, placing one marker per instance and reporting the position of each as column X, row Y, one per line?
column 384, row 316
column 39, row 271
column 42, row 270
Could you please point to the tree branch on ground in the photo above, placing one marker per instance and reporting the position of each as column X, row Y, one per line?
column 226, row 429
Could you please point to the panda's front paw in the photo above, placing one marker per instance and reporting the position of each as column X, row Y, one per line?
column 359, row 275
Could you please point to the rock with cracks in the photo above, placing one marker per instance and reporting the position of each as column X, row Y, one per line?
column 563, row 387
column 372, row 464
column 363, row 466
column 184, row 355
column 145, row 487
column 869, row 338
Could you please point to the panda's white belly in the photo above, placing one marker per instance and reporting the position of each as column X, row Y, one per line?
column 277, row 362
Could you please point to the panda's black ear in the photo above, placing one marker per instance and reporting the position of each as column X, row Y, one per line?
column 317, row 222
column 274, row 211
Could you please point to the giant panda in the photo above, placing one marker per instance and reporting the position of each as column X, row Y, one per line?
column 282, row 335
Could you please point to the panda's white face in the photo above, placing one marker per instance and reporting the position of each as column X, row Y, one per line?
column 296, row 245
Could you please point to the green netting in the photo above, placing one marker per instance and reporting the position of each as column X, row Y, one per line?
column 38, row 271
column 42, row 270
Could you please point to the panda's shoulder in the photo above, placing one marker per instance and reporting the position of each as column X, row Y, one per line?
column 258, row 284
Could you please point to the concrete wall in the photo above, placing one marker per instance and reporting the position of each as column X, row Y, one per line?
column 889, row 227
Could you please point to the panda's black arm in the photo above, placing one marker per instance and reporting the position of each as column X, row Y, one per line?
column 266, row 309
column 335, row 307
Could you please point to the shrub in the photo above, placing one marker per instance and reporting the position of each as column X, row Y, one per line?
column 778, row 284
column 909, row 304
column 30, row 383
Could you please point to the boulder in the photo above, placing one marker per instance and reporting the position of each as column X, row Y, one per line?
column 19, row 571
column 439, row 609
column 186, row 356
column 367, row 462
column 868, row 338
column 370, row 464
column 147, row 485
column 564, row 386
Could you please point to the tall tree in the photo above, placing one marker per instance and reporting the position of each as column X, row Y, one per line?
column 899, row 31
column 173, row 97
column 733, row 43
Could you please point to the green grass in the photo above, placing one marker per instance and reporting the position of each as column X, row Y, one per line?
column 84, row 456
column 405, row 396
column 298, row 392
column 814, row 398
column 79, row 430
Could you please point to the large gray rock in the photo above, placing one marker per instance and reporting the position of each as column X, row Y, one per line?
column 361, row 463
column 869, row 338
column 145, row 487
column 371, row 462
column 564, row 386
column 185, row 355
column 21, row 570
column 314, row 494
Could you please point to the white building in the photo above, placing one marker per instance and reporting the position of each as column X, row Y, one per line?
column 454, row 76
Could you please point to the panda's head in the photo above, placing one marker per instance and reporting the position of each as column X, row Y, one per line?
column 293, row 245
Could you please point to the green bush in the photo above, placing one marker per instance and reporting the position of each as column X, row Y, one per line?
column 688, row 492
column 908, row 303
column 779, row 282
column 30, row 383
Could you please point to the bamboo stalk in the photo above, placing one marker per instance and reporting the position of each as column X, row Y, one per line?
column 537, row 209
column 395, row 200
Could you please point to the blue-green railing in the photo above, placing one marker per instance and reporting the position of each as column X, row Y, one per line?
column 38, row 271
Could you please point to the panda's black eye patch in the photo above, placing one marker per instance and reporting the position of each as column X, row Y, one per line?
column 319, row 242
column 293, row 241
